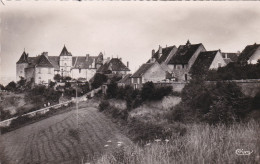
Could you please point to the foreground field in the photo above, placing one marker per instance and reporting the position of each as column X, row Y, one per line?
column 239, row 143
column 57, row 140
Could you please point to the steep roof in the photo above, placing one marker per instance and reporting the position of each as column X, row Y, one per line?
column 65, row 52
column 23, row 58
column 203, row 62
column 125, row 79
column 184, row 53
column 232, row 56
column 83, row 62
column 55, row 62
column 165, row 53
column 228, row 60
column 142, row 70
column 44, row 61
column 114, row 64
column 248, row 52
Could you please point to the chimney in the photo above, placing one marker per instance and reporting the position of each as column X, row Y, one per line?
column 160, row 52
column 87, row 56
column 120, row 59
column 188, row 43
column 127, row 64
column 226, row 56
column 45, row 54
column 153, row 52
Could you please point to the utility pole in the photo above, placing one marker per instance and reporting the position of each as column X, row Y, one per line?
column 77, row 108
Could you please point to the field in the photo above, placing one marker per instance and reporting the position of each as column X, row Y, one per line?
column 202, row 144
column 57, row 139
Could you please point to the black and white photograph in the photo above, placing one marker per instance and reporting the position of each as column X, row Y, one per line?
column 129, row 82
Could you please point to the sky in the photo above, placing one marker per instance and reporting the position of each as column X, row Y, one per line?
column 129, row 30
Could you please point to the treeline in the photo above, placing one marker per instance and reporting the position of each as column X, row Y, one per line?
column 135, row 97
column 235, row 71
column 222, row 102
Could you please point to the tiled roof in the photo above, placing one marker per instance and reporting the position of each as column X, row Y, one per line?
column 165, row 53
column 55, row 62
column 83, row 61
column 23, row 58
column 114, row 64
column 228, row 60
column 248, row 52
column 184, row 53
column 44, row 61
column 142, row 70
column 232, row 56
column 125, row 79
column 203, row 62
column 65, row 52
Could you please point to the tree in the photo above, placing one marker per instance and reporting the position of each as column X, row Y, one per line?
column 57, row 77
column 99, row 79
column 11, row 86
column 2, row 87
column 112, row 90
column 147, row 91
column 52, row 84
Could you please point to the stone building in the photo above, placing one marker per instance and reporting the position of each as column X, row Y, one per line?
column 250, row 55
column 207, row 60
column 183, row 59
column 153, row 72
column 42, row 68
column 114, row 66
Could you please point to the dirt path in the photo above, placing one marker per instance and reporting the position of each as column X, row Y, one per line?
column 53, row 140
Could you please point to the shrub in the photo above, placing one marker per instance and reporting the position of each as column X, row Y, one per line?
column 256, row 101
column 11, row 86
column 112, row 90
column 98, row 80
column 103, row 105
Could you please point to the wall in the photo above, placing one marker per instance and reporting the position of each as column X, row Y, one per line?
column 42, row 75
column 29, row 73
column 20, row 70
column 179, row 71
column 218, row 59
column 91, row 73
column 154, row 74
column 65, row 65
column 75, row 73
column 255, row 57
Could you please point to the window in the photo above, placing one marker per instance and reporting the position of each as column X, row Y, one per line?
column 138, row 81
column 135, row 86
column 182, row 65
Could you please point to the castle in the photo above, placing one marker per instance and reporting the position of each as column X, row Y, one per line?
column 42, row 68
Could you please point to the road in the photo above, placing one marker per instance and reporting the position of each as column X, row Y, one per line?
column 56, row 140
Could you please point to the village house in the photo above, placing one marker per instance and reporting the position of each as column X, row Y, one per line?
column 250, row 55
column 153, row 72
column 230, row 57
column 114, row 66
column 42, row 68
column 126, row 80
column 207, row 60
column 162, row 55
column 183, row 59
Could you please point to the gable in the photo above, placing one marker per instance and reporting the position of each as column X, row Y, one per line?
column 184, row 53
column 248, row 52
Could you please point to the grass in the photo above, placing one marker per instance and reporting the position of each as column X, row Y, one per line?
column 201, row 144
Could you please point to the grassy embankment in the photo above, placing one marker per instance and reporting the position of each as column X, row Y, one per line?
column 200, row 142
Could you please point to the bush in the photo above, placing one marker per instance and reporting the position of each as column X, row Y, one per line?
column 11, row 86
column 98, row 80
column 256, row 101
column 103, row 105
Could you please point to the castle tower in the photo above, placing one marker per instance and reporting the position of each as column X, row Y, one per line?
column 65, row 62
column 21, row 64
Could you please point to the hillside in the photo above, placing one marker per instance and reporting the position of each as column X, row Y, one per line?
column 56, row 140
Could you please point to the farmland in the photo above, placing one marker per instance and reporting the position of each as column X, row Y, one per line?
column 57, row 139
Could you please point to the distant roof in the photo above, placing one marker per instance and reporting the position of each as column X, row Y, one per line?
column 184, row 53
column 203, row 62
column 248, row 52
column 55, row 62
column 44, row 61
column 83, row 62
column 142, row 70
column 165, row 53
column 232, row 56
column 228, row 60
column 23, row 58
column 125, row 79
column 114, row 64
column 65, row 52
